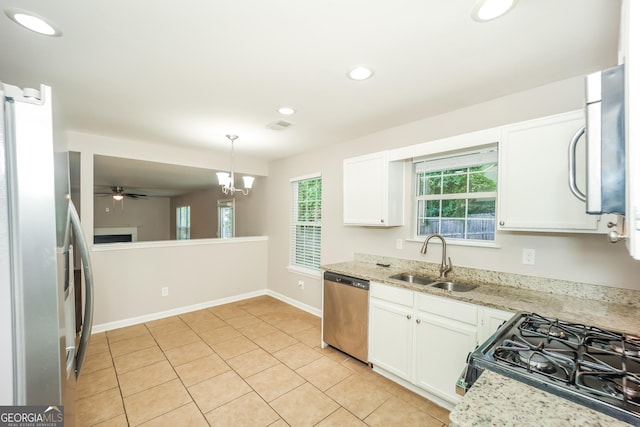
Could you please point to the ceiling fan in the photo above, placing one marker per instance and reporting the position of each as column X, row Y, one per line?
column 118, row 193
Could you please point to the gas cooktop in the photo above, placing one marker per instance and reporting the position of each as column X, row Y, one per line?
column 586, row 364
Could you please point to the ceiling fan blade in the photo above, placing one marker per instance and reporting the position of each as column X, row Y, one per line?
column 134, row 195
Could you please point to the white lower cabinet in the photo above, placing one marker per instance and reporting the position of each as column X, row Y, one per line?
column 442, row 344
column 490, row 320
column 390, row 329
column 420, row 338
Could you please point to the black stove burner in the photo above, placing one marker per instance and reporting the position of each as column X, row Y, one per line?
column 553, row 363
column 536, row 362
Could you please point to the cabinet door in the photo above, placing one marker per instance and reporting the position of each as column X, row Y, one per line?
column 442, row 346
column 490, row 320
column 390, row 337
column 373, row 191
column 533, row 183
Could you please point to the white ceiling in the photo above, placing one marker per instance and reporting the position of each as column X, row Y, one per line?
column 189, row 72
column 148, row 178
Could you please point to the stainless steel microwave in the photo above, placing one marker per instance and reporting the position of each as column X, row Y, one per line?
column 605, row 144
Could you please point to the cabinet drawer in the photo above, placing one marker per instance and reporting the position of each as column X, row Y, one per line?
column 448, row 308
column 391, row 294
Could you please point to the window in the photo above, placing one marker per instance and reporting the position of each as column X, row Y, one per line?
column 456, row 195
column 183, row 223
column 226, row 224
column 306, row 222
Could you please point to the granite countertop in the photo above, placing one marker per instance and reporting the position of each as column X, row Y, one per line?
column 495, row 400
column 620, row 315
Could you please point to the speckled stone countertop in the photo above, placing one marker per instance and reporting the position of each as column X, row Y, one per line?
column 495, row 400
column 612, row 308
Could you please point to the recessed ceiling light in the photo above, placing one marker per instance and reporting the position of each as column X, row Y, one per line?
column 486, row 10
column 33, row 22
column 287, row 111
column 360, row 72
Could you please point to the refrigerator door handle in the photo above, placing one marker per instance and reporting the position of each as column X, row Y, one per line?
column 87, row 322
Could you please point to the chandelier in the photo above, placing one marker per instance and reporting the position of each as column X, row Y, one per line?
column 226, row 180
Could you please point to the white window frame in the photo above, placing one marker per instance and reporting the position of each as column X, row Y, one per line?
column 293, row 266
column 453, row 160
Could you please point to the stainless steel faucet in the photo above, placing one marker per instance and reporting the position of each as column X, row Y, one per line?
column 444, row 267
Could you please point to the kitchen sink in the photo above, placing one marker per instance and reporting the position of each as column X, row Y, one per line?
column 412, row 278
column 453, row 287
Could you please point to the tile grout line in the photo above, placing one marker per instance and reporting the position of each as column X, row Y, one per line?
column 264, row 312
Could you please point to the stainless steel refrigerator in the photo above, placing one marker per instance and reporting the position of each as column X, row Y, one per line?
column 42, row 348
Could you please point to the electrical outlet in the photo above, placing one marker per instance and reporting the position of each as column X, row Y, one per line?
column 301, row 284
column 398, row 243
column 165, row 291
column 106, row 209
column 529, row 256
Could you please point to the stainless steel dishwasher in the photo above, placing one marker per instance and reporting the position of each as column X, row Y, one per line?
column 345, row 314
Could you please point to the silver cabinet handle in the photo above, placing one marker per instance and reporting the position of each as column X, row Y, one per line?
column 572, row 165
column 409, row 316
column 87, row 322
column 418, row 321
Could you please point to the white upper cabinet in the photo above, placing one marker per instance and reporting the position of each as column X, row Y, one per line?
column 533, row 191
column 373, row 191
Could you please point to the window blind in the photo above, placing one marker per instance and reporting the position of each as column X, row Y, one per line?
column 306, row 221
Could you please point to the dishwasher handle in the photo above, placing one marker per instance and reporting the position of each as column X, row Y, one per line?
column 346, row 280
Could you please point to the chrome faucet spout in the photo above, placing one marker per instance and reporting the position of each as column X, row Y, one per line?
column 445, row 267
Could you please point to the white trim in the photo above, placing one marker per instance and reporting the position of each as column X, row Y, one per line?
column 173, row 312
column 453, row 143
column 295, row 303
column 462, row 242
column 166, row 243
column 181, row 310
column 303, row 177
column 305, row 271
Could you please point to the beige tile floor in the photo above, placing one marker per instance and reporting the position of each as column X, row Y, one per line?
column 256, row 362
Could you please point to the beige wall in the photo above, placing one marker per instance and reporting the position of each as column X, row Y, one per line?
column 204, row 215
column 129, row 281
column 204, row 211
column 581, row 258
column 150, row 215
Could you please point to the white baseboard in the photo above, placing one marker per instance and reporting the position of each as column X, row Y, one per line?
column 173, row 312
column 295, row 303
column 417, row 390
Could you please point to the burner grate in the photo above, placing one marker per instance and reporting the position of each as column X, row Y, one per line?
column 558, row 364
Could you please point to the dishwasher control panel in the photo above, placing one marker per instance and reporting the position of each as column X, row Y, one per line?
column 346, row 280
